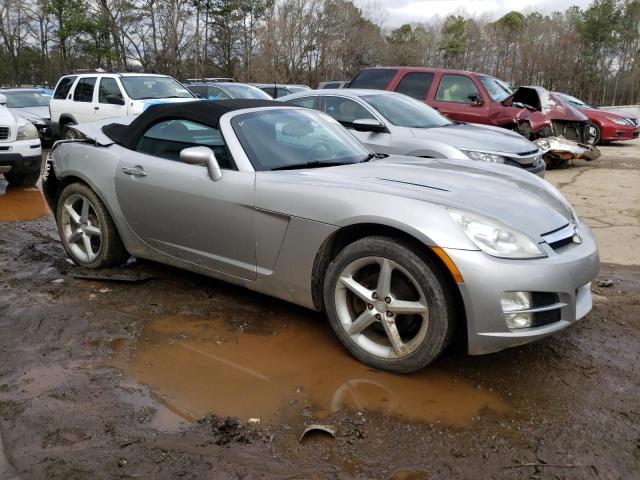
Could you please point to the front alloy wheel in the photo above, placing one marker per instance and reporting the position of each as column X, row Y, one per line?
column 389, row 306
column 81, row 228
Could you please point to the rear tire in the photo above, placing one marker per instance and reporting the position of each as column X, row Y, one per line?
column 22, row 179
column 87, row 231
column 401, row 324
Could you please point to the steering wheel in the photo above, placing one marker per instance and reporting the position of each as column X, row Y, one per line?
column 321, row 145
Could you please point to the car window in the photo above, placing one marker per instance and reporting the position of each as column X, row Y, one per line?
column 199, row 90
column 307, row 102
column 377, row 78
column 331, row 85
column 281, row 92
column 415, row 84
column 344, row 110
column 240, row 90
column 108, row 86
column 456, row 88
column 277, row 139
column 496, row 89
column 141, row 87
column 215, row 93
column 64, row 85
column 271, row 91
column 84, row 90
column 167, row 139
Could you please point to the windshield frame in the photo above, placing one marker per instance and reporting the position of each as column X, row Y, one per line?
column 241, row 143
column 400, row 97
column 125, row 79
column 33, row 93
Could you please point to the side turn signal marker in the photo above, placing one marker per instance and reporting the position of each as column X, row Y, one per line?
column 442, row 255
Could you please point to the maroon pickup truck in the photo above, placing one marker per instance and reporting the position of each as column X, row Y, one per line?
column 478, row 98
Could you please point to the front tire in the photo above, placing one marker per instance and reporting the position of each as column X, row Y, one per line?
column 87, row 231
column 593, row 134
column 22, row 179
column 390, row 307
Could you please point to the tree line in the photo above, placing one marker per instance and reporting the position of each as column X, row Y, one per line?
column 593, row 53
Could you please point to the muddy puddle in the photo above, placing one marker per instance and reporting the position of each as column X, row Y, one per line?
column 198, row 366
column 22, row 204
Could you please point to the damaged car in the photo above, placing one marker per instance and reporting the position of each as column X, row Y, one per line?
column 473, row 97
column 403, row 254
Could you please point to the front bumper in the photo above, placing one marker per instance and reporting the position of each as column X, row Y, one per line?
column 20, row 156
column 610, row 133
column 567, row 273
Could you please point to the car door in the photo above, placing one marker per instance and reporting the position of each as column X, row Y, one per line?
column 454, row 98
column 178, row 210
column 346, row 111
column 83, row 108
column 108, row 87
column 415, row 85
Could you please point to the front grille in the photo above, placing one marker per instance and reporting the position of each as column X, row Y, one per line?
column 4, row 133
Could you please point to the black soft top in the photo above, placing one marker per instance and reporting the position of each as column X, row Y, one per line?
column 205, row 112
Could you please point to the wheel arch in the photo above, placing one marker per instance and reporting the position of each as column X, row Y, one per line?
column 351, row 233
column 66, row 119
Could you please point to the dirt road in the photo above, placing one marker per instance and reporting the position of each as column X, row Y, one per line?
column 182, row 376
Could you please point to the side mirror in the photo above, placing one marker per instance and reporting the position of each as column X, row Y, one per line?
column 3, row 99
column 115, row 100
column 202, row 156
column 368, row 125
column 476, row 100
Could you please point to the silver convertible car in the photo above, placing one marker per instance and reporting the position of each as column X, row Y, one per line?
column 403, row 254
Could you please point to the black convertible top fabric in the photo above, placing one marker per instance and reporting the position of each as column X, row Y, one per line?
column 205, row 112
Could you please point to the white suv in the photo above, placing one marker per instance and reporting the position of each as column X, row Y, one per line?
column 20, row 149
column 90, row 97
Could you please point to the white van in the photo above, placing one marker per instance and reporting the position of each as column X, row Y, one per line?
column 89, row 97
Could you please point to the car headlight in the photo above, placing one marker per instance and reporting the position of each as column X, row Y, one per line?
column 495, row 238
column 617, row 121
column 484, row 157
column 27, row 132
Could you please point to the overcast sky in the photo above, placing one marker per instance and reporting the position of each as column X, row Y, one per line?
column 397, row 12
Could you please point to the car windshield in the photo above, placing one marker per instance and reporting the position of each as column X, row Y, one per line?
column 574, row 102
column 26, row 99
column 247, row 91
column 142, row 88
column 284, row 138
column 296, row 88
column 497, row 89
column 404, row 111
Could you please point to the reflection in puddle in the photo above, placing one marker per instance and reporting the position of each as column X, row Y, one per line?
column 22, row 204
column 200, row 366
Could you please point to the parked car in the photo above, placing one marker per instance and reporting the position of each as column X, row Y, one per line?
column 224, row 90
column 93, row 96
column 20, row 148
column 393, row 123
column 276, row 90
column 478, row 98
column 605, row 125
column 31, row 104
column 402, row 253
column 333, row 84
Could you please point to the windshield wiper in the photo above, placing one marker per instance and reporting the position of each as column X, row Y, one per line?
column 314, row 164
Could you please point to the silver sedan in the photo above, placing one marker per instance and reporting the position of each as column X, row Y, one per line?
column 403, row 254
column 392, row 123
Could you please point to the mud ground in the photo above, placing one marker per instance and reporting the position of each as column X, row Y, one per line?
column 181, row 376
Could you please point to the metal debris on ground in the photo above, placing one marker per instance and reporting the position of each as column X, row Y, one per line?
column 318, row 428
column 132, row 277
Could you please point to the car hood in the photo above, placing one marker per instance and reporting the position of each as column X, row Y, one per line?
column 33, row 113
column 7, row 118
column 603, row 115
column 467, row 136
column 514, row 197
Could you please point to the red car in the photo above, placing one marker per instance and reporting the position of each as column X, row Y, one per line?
column 605, row 126
column 478, row 98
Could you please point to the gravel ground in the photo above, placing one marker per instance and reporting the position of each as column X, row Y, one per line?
column 184, row 376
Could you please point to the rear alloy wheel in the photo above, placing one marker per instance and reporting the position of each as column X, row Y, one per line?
column 70, row 133
column 22, row 179
column 88, row 234
column 593, row 134
column 388, row 305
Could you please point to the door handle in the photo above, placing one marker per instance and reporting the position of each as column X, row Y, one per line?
column 96, row 108
column 136, row 171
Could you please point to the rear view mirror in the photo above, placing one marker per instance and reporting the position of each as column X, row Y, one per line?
column 368, row 125
column 202, row 156
column 3, row 99
column 115, row 100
